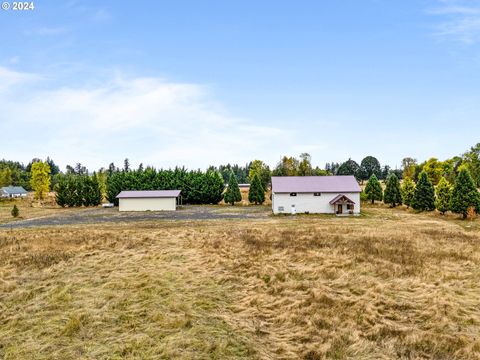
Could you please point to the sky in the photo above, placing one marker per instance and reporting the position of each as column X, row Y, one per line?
column 200, row 82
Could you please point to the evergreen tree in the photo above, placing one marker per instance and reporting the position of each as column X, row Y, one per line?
column 464, row 194
column 373, row 190
column 72, row 197
column 61, row 191
column 424, row 195
column 54, row 169
column 408, row 190
column 256, row 193
column 444, row 193
column 392, row 193
column 197, row 187
column 92, row 195
column 232, row 194
column 15, row 211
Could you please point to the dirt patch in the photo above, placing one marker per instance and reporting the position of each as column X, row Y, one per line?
column 100, row 215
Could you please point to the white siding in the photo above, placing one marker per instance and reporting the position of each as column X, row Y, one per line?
column 147, row 204
column 307, row 202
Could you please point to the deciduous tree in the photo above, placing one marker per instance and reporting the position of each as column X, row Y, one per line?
column 40, row 180
column 259, row 168
column 472, row 161
column 349, row 167
column 5, row 177
column 408, row 167
column 288, row 166
column 434, row 170
column 369, row 166
column 305, row 165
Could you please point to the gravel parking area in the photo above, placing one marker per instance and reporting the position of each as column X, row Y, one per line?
column 100, row 215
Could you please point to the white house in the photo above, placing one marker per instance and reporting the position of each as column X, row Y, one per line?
column 13, row 192
column 148, row 200
column 315, row 195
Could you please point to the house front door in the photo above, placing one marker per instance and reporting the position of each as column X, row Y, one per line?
column 340, row 209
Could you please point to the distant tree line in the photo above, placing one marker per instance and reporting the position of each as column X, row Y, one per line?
column 197, row 187
column 200, row 187
column 461, row 197
column 240, row 172
column 16, row 174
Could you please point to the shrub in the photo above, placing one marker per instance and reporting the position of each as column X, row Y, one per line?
column 15, row 211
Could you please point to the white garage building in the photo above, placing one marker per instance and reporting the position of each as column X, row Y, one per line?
column 148, row 200
column 315, row 195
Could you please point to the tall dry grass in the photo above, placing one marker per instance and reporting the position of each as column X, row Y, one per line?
column 387, row 285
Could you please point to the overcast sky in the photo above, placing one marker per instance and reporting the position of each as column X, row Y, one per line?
column 202, row 82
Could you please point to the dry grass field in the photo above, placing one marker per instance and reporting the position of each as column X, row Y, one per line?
column 30, row 208
column 389, row 284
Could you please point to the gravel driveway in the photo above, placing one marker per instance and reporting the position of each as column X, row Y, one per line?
column 100, row 215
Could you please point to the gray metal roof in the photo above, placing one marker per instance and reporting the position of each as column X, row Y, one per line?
column 13, row 190
column 148, row 194
column 308, row 184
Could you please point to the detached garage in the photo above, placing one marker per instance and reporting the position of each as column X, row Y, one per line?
column 148, row 200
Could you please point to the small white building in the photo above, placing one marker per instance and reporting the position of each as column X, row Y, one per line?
column 315, row 195
column 12, row 192
column 148, row 200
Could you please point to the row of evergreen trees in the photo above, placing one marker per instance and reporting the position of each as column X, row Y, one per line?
column 78, row 190
column 423, row 196
column 256, row 193
column 197, row 187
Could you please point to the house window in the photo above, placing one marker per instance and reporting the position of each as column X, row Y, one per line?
column 349, row 207
column 316, row 194
column 293, row 194
column 281, row 208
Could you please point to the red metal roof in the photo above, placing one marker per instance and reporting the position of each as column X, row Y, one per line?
column 148, row 194
column 308, row 184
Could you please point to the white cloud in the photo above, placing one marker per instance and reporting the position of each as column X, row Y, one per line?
column 461, row 20
column 148, row 120
column 10, row 78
